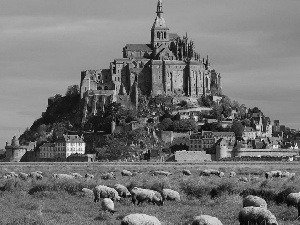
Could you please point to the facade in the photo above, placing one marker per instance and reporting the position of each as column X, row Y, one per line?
column 249, row 133
column 63, row 148
column 168, row 65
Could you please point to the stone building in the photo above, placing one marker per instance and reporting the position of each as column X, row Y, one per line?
column 168, row 65
column 64, row 147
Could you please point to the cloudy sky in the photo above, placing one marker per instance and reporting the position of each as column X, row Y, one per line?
column 45, row 44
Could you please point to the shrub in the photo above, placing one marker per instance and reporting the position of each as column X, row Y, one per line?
column 196, row 190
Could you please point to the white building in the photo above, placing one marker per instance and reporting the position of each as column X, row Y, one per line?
column 63, row 148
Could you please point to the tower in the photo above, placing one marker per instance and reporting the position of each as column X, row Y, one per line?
column 159, row 31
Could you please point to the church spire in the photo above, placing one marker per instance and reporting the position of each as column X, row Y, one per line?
column 159, row 8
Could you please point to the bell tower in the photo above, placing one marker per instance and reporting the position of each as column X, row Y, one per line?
column 159, row 31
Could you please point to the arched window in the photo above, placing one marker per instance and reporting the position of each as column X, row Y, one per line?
column 99, row 88
column 105, row 88
column 158, row 35
column 165, row 35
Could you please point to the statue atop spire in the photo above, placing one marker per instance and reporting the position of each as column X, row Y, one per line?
column 159, row 8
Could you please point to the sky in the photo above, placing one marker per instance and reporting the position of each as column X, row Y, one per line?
column 44, row 45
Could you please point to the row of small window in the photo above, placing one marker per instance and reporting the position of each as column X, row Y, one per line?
column 49, row 155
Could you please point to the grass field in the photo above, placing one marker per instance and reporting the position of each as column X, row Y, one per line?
column 61, row 202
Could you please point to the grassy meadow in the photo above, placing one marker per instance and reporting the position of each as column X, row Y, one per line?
column 49, row 201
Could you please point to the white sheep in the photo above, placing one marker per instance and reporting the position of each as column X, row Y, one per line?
column 102, row 191
column 292, row 199
column 141, row 195
column 209, row 172
column 168, row 194
column 108, row 205
column 88, row 192
column 221, row 174
column 89, row 176
column 23, row 176
column 258, row 215
column 140, row 219
column 40, row 172
column 122, row 190
column 274, row 173
column 36, row 175
column 108, row 176
column 76, row 175
column 126, row 173
column 255, row 201
column 243, row 179
column 232, row 174
column 164, row 173
column 186, row 172
column 206, row 220
column 63, row 176
column 12, row 174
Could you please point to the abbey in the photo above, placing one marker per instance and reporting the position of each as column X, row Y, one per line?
column 168, row 65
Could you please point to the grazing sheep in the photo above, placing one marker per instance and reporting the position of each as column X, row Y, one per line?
column 102, row 191
column 206, row 220
column 210, row 172
column 108, row 176
column 158, row 195
column 243, row 179
column 76, row 175
column 122, row 190
column 63, row 176
column 108, row 205
column 287, row 174
column 140, row 195
column 126, row 173
column 88, row 192
column 292, row 199
column 164, row 173
column 12, row 174
column 256, row 215
column 40, row 172
column 140, row 219
column 168, row 194
column 221, row 174
column 274, row 173
column 186, row 172
column 255, row 201
column 35, row 175
column 89, row 176
column 23, row 176
column 232, row 174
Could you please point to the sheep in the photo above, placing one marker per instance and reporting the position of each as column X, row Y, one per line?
column 108, row 176
column 87, row 192
column 168, row 194
column 209, row 172
column 89, row 176
column 255, row 201
column 221, row 174
column 274, row 173
column 164, row 173
column 140, row 195
column 158, row 195
column 186, row 172
column 40, row 172
column 206, row 220
column 122, row 190
column 63, row 176
column 243, row 179
column 292, row 199
column 126, row 173
column 76, row 175
column 35, row 175
column 102, row 191
column 108, row 205
column 256, row 215
column 287, row 174
column 140, row 219
column 12, row 174
column 232, row 174
column 23, row 176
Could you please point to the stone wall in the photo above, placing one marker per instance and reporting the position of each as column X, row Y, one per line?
column 266, row 152
column 192, row 156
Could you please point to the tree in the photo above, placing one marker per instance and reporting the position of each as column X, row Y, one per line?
column 205, row 101
column 112, row 110
column 217, row 112
column 185, row 125
column 226, row 110
column 72, row 90
column 143, row 106
column 165, row 124
column 238, row 128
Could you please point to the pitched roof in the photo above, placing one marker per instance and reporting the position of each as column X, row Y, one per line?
column 71, row 139
column 249, row 129
column 45, row 145
column 138, row 47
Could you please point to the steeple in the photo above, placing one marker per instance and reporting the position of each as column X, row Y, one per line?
column 159, row 31
column 159, row 11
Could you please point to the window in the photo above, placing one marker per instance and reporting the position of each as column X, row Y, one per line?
column 158, row 35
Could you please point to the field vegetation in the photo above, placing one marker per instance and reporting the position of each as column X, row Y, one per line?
column 50, row 201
